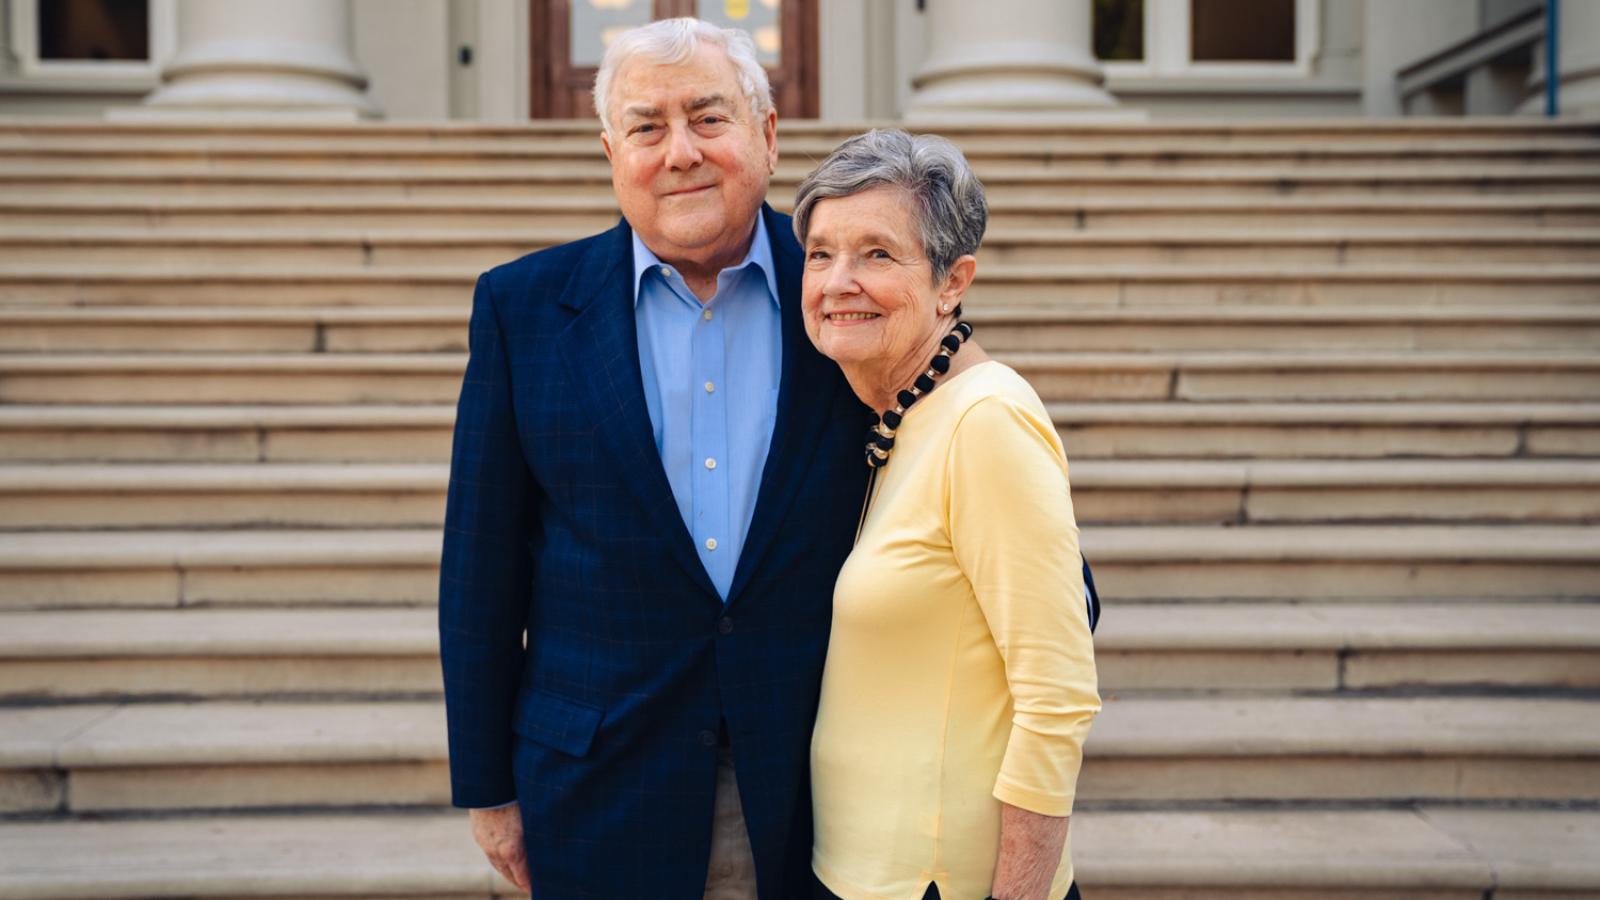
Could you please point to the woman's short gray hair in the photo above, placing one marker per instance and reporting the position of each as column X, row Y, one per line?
column 672, row 41
column 949, row 205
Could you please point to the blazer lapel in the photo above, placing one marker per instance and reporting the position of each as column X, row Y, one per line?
column 601, row 350
column 804, row 397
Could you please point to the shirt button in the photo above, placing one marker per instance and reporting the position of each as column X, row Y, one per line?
column 708, row 738
column 711, row 543
column 706, row 315
column 666, row 272
column 711, row 463
column 710, row 387
column 725, row 625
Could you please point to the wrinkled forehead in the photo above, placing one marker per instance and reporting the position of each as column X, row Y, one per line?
column 707, row 77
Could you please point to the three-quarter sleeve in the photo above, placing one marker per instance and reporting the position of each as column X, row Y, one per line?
column 1013, row 533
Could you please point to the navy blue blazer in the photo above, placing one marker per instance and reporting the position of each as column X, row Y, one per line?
column 561, row 521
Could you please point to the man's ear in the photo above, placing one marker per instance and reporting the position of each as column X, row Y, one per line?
column 956, row 282
column 605, row 144
column 769, row 131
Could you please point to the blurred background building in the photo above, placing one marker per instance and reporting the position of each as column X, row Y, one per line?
column 515, row 60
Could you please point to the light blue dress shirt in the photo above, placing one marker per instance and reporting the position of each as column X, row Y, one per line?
column 711, row 373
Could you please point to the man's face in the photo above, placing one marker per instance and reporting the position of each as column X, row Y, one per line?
column 689, row 160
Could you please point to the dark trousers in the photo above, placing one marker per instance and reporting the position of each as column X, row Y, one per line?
column 822, row 893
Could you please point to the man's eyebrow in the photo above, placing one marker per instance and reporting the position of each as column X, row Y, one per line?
column 700, row 103
column 642, row 112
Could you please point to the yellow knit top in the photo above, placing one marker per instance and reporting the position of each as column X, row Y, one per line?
column 960, row 672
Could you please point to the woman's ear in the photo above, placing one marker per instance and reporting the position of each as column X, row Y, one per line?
column 957, row 280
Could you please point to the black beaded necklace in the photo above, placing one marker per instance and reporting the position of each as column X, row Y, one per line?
column 880, row 437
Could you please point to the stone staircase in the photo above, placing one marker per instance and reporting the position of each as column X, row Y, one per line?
column 1331, row 391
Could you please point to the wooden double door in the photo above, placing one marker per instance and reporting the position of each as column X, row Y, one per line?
column 569, row 37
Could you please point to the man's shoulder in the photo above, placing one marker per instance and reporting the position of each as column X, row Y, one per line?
column 553, row 266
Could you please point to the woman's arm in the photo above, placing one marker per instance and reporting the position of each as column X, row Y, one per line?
column 1030, row 851
column 1013, row 534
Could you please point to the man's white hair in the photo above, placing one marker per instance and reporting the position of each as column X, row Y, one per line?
column 674, row 41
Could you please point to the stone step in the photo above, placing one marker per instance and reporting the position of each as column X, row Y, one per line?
column 1321, row 130
column 295, row 215
column 1367, row 649
column 115, row 655
column 365, row 378
column 1427, row 852
column 1325, row 430
column 1363, row 648
column 419, row 329
column 1001, row 183
column 1143, row 563
column 171, row 569
column 402, row 495
column 1170, row 430
column 546, row 150
column 1133, row 563
column 1287, row 749
column 171, row 757
column 144, row 249
column 1058, row 286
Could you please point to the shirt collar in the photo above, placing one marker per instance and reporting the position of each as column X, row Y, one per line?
column 760, row 253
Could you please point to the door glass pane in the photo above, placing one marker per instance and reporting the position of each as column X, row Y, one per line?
column 1241, row 30
column 1119, row 30
column 759, row 17
column 94, row 29
column 595, row 23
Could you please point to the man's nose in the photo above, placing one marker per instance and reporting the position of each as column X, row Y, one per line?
column 682, row 153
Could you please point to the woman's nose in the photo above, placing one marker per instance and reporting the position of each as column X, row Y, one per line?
column 840, row 279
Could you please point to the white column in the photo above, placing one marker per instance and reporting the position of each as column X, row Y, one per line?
column 1010, row 61
column 254, row 58
column 1578, row 59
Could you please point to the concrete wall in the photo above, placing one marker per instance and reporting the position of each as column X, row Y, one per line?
column 1399, row 34
column 404, row 46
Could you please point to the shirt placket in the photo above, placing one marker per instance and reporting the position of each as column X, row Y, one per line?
column 709, row 436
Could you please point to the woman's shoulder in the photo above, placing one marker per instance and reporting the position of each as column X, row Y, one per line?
column 995, row 386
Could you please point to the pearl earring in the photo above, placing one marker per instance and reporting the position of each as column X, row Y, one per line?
column 945, row 307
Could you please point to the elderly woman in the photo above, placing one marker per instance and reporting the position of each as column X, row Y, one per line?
column 960, row 679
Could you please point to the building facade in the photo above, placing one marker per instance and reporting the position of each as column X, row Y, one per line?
column 907, row 60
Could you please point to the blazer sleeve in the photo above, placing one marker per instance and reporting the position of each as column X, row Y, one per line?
column 486, row 570
column 1015, row 538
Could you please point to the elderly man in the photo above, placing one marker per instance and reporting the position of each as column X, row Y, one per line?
column 656, row 478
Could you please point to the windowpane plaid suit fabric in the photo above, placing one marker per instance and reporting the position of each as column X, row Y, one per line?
column 560, row 519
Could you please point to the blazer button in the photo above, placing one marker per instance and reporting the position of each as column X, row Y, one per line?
column 725, row 625
column 708, row 738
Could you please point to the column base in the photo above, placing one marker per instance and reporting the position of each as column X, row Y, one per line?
column 200, row 114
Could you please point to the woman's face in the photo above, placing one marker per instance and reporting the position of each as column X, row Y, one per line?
column 868, row 294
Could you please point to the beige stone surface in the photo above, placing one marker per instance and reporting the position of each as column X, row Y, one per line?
column 1347, row 726
column 32, row 791
column 1246, row 669
column 1529, row 849
column 145, row 676
column 246, row 856
column 1493, row 667
column 1352, row 579
column 163, row 734
column 1353, row 626
column 225, row 787
column 210, row 633
column 1298, row 849
column 31, row 736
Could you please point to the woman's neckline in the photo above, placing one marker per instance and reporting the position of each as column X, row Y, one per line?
column 943, row 385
